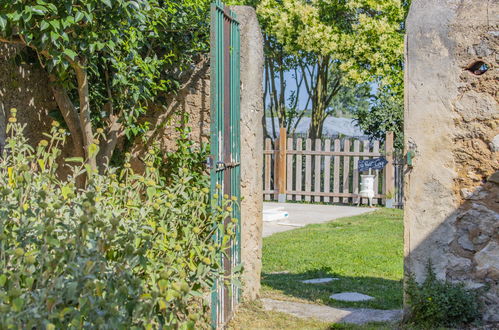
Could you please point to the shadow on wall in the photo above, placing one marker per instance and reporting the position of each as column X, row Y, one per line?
column 24, row 86
column 193, row 99
column 465, row 247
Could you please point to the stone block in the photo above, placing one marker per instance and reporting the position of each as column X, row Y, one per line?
column 487, row 261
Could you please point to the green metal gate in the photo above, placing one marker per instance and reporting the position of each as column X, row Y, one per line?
column 225, row 147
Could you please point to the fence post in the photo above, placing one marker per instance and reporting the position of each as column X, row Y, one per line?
column 389, row 173
column 281, row 166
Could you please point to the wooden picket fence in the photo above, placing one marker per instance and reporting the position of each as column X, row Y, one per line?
column 324, row 170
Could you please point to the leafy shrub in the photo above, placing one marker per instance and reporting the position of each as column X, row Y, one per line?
column 125, row 252
column 436, row 303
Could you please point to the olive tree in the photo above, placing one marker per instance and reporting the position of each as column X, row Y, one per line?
column 106, row 60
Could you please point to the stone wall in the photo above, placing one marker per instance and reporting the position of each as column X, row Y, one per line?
column 252, row 113
column 193, row 99
column 452, row 124
column 24, row 86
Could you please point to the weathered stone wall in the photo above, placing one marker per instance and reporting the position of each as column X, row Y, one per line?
column 24, row 87
column 252, row 113
column 452, row 123
column 192, row 99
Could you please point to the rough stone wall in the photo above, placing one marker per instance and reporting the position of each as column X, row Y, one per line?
column 252, row 61
column 193, row 99
column 452, row 123
column 25, row 88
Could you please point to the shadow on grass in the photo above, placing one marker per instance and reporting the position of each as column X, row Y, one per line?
column 387, row 294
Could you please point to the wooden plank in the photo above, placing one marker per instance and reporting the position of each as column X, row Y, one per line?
column 308, row 170
column 268, row 168
column 376, row 178
column 327, row 170
column 271, row 192
column 366, row 151
column 299, row 169
column 325, row 153
column 355, row 183
column 336, row 169
column 276, row 170
column 331, row 194
column 281, row 163
column 333, row 153
column 317, row 171
column 289, row 171
column 346, row 171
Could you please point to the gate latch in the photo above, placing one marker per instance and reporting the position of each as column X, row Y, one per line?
column 223, row 166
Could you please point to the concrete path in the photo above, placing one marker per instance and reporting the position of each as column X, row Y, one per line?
column 301, row 215
column 331, row 314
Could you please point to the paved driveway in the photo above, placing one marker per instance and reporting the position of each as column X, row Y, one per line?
column 301, row 215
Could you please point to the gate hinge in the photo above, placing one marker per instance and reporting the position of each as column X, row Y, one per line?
column 209, row 162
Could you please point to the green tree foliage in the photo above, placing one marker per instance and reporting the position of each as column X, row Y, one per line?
column 128, row 251
column 386, row 113
column 107, row 59
column 338, row 43
column 342, row 41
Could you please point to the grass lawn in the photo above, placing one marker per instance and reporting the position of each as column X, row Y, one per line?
column 365, row 252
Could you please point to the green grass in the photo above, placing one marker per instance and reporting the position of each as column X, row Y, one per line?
column 365, row 252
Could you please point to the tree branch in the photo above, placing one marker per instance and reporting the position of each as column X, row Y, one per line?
column 85, row 121
column 69, row 113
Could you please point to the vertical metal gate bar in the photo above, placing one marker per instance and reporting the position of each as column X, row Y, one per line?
column 225, row 148
column 214, row 139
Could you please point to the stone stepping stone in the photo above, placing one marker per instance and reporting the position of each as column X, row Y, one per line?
column 331, row 314
column 351, row 296
column 320, row 280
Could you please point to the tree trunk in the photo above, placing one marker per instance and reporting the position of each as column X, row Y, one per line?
column 115, row 131
column 70, row 115
column 85, row 121
column 319, row 99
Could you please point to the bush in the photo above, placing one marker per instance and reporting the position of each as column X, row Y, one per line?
column 436, row 303
column 126, row 251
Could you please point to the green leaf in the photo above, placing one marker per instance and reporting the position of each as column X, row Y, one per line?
column 41, row 162
column 79, row 16
column 93, row 149
column 151, row 191
column 3, row 280
column 74, row 160
column 162, row 284
column 55, row 24
column 18, row 304
column 3, row 22
column 65, row 191
column 107, row 3
column 39, row 10
column 70, row 53
column 44, row 25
